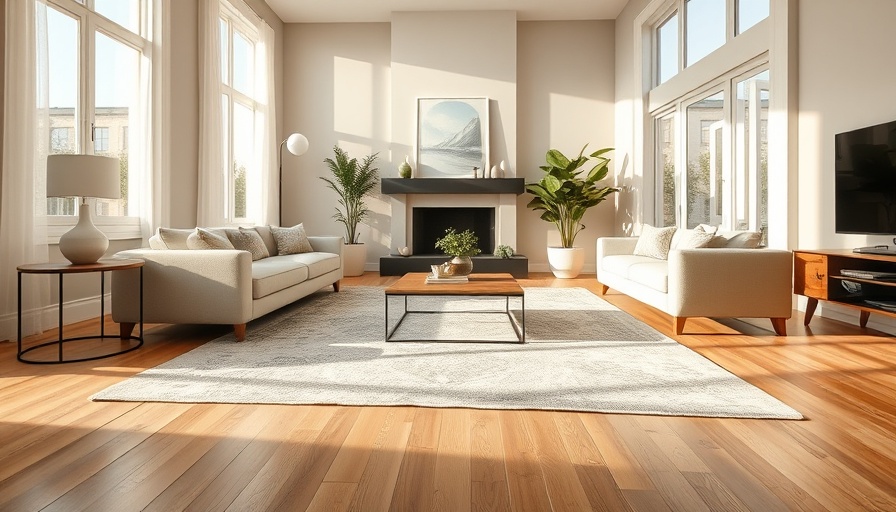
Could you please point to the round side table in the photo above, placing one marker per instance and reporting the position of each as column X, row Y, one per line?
column 62, row 269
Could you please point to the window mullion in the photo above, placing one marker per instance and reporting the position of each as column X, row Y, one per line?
column 88, row 82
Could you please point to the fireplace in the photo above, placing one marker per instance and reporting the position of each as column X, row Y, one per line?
column 423, row 208
column 430, row 224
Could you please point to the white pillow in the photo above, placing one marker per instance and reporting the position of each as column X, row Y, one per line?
column 654, row 242
column 205, row 239
column 174, row 238
column 690, row 239
column 737, row 239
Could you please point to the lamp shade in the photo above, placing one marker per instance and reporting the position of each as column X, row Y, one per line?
column 297, row 144
column 83, row 176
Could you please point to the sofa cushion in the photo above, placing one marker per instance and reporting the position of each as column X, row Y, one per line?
column 174, row 238
column 207, row 239
column 291, row 240
column 276, row 273
column 268, row 237
column 654, row 242
column 644, row 270
column 318, row 263
column 244, row 239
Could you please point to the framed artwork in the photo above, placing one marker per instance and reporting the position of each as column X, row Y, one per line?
column 452, row 137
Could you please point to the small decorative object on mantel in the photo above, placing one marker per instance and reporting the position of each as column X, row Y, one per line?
column 405, row 170
column 503, row 168
column 460, row 245
column 504, row 252
column 475, row 172
column 404, row 251
column 493, row 173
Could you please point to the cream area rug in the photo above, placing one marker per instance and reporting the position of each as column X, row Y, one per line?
column 582, row 354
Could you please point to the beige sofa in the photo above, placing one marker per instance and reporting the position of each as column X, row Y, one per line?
column 721, row 282
column 219, row 286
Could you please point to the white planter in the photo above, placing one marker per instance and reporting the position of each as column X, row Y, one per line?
column 566, row 262
column 354, row 256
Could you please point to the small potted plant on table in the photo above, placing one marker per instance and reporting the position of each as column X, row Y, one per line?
column 461, row 246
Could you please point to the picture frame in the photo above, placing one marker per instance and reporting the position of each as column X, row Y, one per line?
column 452, row 137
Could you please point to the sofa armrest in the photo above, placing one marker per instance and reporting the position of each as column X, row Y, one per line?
column 332, row 244
column 615, row 245
column 730, row 283
column 185, row 286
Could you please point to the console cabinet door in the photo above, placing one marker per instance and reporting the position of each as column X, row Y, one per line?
column 810, row 275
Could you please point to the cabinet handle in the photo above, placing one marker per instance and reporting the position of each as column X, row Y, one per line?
column 819, row 276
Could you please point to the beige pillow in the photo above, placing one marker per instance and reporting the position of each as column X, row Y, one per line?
column 654, row 242
column 737, row 239
column 690, row 239
column 248, row 240
column 268, row 237
column 175, row 238
column 291, row 240
column 205, row 239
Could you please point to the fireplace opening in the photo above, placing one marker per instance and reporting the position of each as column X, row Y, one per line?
column 430, row 224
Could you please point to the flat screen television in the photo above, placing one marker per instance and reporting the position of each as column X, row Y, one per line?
column 865, row 181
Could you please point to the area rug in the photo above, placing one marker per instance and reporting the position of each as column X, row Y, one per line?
column 582, row 354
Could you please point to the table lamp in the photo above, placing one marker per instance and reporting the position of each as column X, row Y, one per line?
column 297, row 144
column 83, row 176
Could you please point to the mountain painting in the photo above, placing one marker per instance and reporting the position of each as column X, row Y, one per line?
column 452, row 137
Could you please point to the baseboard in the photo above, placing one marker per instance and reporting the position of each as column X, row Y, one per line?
column 73, row 311
column 544, row 267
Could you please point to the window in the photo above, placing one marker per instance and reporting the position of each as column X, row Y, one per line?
column 60, row 140
column 667, row 51
column 242, row 113
column 98, row 52
column 101, row 140
column 705, row 27
column 711, row 149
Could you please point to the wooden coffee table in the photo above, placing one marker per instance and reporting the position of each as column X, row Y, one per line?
column 479, row 285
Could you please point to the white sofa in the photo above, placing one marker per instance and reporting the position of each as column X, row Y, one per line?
column 703, row 282
column 219, row 286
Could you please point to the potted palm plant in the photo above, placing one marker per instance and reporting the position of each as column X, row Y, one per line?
column 563, row 195
column 461, row 246
column 351, row 181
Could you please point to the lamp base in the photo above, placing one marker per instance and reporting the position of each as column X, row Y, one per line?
column 84, row 243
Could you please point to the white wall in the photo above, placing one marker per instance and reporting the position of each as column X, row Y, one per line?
column 550, row 85
column 565, row 94
column 337, row 80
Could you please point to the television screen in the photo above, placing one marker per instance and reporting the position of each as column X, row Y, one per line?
column 865, row 180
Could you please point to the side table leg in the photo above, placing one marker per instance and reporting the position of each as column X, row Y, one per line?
column 60, row 318
column 810, row 310
column 19, row 354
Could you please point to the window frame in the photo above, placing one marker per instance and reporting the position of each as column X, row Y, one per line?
column 236, row 21
column 91, row 23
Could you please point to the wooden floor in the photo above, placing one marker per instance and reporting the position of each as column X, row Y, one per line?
column 60, row 451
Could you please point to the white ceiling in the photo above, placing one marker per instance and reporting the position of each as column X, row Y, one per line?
column 341, row 11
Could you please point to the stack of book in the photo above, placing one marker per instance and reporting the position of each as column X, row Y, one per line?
column 432, row 278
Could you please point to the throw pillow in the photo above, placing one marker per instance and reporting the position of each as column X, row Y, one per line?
column 691, row 239
column 654, row 242
column 268, row 237
column 205, row 239
column 248, row 240
column 737, row 239
column 706, row 228
column 175, row 238
column 291, row 240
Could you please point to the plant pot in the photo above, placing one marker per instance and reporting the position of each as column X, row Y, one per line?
column 460, row 266
column 354, row 256
column 566, row 262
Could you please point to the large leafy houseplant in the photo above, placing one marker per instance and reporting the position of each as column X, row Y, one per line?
column 567, row 191
column 352, row 181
